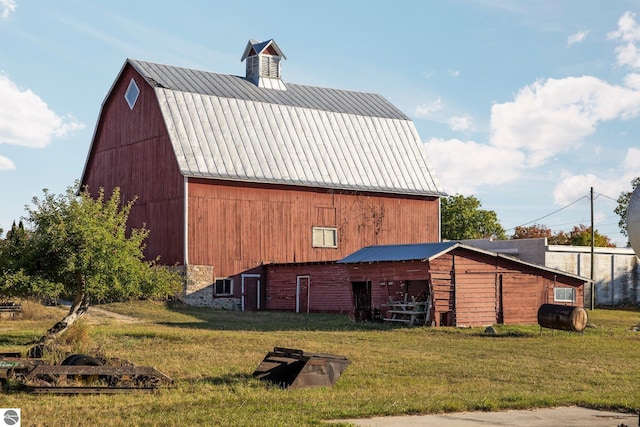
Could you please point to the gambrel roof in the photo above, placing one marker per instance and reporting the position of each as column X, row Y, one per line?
column 225, row 127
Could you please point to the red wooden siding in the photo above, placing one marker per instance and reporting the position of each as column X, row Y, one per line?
column 472, row 289
column 236, row 226
column 442, row 278
column 329, row 289
column 131, row 150
column 522, row 295
column 475, row 289
column 467, row 288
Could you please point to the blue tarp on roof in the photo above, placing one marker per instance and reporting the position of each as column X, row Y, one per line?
column 408, row 252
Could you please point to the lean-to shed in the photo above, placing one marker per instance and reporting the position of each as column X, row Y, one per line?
column 234, row 172
column 464, row 285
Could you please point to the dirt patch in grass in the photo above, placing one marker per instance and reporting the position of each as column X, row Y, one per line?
column 98, row 316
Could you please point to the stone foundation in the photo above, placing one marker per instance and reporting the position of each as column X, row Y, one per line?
column 198, row 289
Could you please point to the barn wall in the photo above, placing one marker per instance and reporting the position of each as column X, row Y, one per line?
column 524, row 290
column 131, row 150
column 236, row 226
column 329, row 287
column 522, row 296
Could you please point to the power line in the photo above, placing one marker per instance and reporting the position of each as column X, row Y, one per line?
column 604, row 195
column 548, row 215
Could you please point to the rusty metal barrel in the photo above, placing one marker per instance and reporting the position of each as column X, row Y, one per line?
column 563, row 317
column 293, row 368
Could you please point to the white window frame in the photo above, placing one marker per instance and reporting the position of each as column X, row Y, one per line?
column 563, row 297
column 325, row 231
column 131, row 99
column 215, row 287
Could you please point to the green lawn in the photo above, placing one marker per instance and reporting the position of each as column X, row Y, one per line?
column 212, row 354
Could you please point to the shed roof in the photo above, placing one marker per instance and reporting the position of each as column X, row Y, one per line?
column 429, row 251
column 225, row 127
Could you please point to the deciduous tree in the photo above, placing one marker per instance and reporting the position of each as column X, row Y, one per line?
column 623, row 203
column 463, row 219
column 531, row 232
column 79, row 247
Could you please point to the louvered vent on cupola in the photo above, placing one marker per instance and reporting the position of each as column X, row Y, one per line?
column 264, row 64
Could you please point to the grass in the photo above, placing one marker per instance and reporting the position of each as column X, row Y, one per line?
column 212, row 354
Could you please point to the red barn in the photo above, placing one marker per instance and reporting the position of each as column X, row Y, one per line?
column 234, row 172
column 459, row 285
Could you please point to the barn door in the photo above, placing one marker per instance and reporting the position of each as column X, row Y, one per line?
column 302, row 294
column 250, row 292
column 361, row 292
column 499, row 307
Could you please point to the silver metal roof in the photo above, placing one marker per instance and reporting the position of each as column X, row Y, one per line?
column 223, row 126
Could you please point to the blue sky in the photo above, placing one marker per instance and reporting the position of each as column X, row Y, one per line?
column 525, row 105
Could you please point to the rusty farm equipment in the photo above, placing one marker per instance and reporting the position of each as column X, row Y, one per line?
column 293, row 368
column 78, row 374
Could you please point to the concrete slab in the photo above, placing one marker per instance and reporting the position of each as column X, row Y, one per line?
column 561, row 417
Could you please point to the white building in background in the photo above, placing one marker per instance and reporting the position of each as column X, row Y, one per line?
column 616, row 270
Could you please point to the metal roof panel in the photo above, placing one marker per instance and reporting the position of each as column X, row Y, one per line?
column 405, row 252
column 225, row 127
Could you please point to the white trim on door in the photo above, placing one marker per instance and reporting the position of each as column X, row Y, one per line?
column 244, row 276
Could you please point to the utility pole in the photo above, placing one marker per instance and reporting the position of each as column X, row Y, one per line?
column 593, row 239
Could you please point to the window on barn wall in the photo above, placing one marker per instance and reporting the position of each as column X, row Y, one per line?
column 223, row 287
column 131, row 95
column 325, row 237
column 564, row 294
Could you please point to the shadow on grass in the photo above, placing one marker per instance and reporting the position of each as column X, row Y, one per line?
column 228, row 379
column 266, row 321
column 15, row 340
column 508, row 334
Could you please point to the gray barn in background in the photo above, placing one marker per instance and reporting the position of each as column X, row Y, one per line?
column 616, row 270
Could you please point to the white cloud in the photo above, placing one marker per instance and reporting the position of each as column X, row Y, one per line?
column 463, row 166
column 454, row 73
column 462, row 124
column 26, row 120
column 6, row 7
column 6, row 164
column 553, row 116
column 425, row 110
column 576, row 38
column 632, row 80
column 572, row 187
column 631, row 163
column 629, row 32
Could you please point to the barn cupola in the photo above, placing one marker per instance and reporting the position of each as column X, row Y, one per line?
column 263, row 64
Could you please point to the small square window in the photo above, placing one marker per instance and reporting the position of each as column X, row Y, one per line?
column 223, row 287
column 325, row 237
column 564, row 294
column 131, row 95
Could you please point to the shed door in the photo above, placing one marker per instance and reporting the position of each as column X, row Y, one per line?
column 475, row 296
column 250, row 292
column 302, row 294
column 361, row 292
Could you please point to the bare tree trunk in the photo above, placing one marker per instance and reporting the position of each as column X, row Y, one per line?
column 78, row 308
